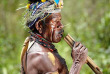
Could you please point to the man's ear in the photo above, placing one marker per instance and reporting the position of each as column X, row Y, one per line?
column 39, row 26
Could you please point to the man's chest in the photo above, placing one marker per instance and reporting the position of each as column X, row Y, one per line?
column 50, row 58
column 58, row 62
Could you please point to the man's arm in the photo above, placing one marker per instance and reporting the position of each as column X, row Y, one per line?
column 79, row 55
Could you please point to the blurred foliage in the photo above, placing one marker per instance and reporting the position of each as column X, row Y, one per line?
column 86, row 21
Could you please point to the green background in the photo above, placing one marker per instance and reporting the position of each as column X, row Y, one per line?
column 87, row 21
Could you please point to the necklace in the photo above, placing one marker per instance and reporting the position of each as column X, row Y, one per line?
column 40, row 40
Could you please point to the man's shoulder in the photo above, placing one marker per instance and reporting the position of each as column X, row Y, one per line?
column 33, row 46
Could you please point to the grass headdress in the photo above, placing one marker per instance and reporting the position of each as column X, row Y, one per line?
column 40, row 9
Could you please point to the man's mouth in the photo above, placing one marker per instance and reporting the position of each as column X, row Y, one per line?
column 61, row 33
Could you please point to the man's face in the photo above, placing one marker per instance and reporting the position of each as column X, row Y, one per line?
column 54, row 29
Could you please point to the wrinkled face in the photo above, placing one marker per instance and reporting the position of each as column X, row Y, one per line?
column 54, row 29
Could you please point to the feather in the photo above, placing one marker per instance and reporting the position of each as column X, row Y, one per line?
column 57, row 1
column 21, row 8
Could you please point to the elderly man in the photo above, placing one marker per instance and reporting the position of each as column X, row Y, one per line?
column 41, row 57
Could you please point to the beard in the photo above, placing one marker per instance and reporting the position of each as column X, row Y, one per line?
column 57, row 35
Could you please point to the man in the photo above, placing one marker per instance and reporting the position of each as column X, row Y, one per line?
column 41, row 56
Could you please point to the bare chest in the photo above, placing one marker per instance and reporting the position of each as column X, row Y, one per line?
column 59, row 63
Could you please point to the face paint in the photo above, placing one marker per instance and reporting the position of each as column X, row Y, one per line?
column 54, row 29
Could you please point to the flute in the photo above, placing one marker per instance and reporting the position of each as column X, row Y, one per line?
column 70, row 41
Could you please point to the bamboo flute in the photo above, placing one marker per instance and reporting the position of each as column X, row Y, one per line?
column 70, row 41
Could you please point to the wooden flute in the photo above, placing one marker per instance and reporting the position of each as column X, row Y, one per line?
column 70, row 41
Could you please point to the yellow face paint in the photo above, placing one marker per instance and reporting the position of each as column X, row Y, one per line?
column 51, row 57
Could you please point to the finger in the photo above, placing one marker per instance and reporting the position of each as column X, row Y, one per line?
column 79, row 46
column 76, row 44
column 86, row 50
column 82, row 49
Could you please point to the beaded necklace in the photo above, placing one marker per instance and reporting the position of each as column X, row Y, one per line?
column 40, row 40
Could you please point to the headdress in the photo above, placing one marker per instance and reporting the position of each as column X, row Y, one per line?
column 40, row 9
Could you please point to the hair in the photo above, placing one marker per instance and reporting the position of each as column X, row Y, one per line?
column 33, row 1
column 33, row 28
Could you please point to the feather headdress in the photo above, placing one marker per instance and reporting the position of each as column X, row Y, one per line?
column 40, row 9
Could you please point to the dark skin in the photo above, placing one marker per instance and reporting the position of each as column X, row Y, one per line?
column 42, row 61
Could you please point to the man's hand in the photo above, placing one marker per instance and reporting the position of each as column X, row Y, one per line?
column 79, row 53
